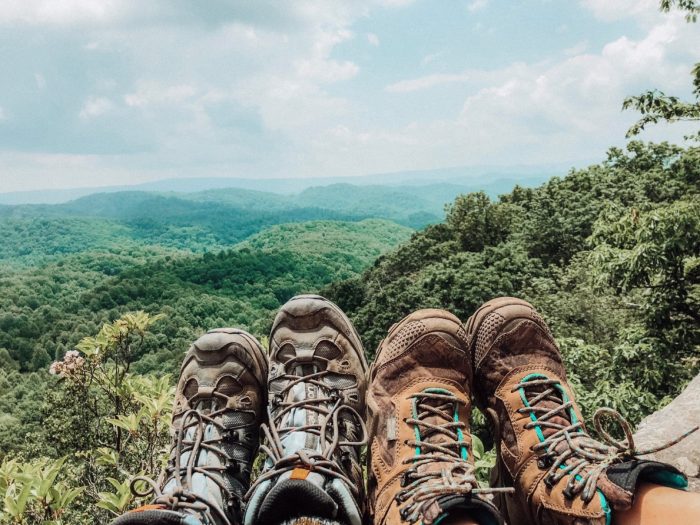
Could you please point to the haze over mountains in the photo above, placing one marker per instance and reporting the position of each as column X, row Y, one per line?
column 215, row 219
column 492, row 179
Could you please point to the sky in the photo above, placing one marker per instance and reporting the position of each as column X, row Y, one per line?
column 126, row 91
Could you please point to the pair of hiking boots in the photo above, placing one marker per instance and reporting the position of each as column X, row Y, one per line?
column 312, row 403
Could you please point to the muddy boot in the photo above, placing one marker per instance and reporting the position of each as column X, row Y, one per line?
column 219, row 406
column 561, row 475
column 421, row 465
column 316, row 392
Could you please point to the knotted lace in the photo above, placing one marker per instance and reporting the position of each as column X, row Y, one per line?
column 182, row 497
column 439, row 445
column 569, row 450
column 328, row 408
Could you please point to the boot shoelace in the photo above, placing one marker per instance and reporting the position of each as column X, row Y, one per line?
column 323, row 461
column 582, row 458
column 457, row 477
column 183, row 497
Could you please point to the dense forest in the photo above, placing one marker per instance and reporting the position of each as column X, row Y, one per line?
column 109, row 297
column 610, row 255
column 68, row 287
column 208, row 220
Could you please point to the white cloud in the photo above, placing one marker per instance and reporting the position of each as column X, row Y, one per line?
column 611, row 10
column 22, row 171
column 373, row 39
column 40, row 81
column 396, row 3
column 256, row 89
column 531, row 113
column 63, row 12
column 95, row 107
column 153, row 93
column 431, row 57
column 472, row 77
column 582, row 94
column 477, row 5
column 319, row 66
column 577, row 49
column 427, row 82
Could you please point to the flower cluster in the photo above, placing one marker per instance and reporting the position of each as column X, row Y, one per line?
column 71, row 365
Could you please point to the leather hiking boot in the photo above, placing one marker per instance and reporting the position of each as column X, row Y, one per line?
column 316, row 392
column 219, row 406
column 560, row 474
column 421, row 464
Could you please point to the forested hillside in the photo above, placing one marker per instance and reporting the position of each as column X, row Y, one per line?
column 609, row 254
column 208, row 220
column 69, row 284
column 46, row 309
column 112, row 294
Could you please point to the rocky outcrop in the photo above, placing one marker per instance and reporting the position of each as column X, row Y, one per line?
column 680, row 415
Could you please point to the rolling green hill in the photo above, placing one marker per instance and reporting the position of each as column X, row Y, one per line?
column 46, row 308
column 355, row 244
column 208, row 220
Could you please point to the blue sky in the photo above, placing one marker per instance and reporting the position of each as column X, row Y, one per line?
column 126, row 91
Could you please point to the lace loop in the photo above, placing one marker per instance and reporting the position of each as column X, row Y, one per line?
column 569, row 450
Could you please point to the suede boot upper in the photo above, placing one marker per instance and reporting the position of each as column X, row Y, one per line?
column 560, row 474
column 421, row 459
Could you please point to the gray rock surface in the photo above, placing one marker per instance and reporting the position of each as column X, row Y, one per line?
column 679, row 416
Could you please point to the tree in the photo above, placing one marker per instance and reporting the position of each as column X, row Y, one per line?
column 6, row 361
column 655, row 256
column 477, row 222
column 654, row 105
column 40, row 359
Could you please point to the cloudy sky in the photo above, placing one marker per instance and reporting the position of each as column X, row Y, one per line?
column 97, row 92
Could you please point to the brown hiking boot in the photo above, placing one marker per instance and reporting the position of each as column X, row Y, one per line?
column 561, row 475
column 219, row 406
column 316, row 389
column 421, row 466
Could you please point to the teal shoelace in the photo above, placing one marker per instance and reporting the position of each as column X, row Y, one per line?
column 568, row 450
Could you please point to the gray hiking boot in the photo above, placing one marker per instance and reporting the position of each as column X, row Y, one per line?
column 219, row 406
column 316, row 392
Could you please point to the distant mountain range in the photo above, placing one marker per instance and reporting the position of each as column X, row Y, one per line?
column 488, row 178
column 214, row 219
column 410, row 205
